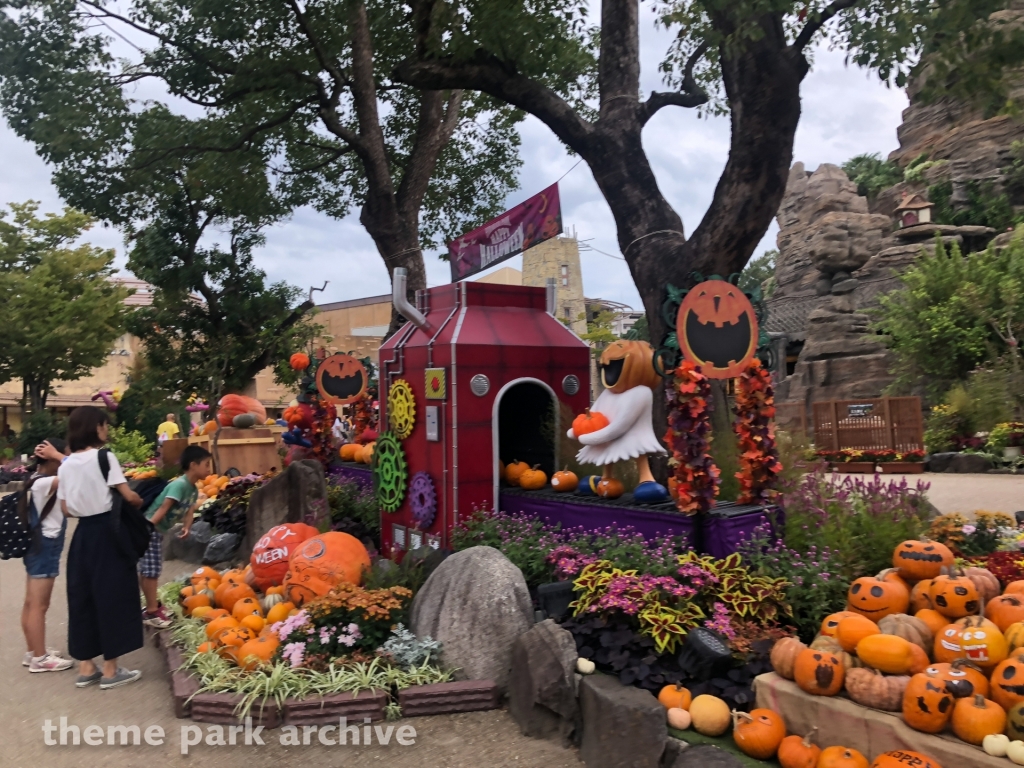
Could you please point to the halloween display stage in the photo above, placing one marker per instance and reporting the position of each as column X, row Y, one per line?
column 476, row 379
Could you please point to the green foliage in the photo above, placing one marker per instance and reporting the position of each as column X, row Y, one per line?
column 1008, row 434
column 759, row 273
column 146, row 403
column 348, row 499
column 129, row 446
column 39, row 426
column 990, row 395
column 58, row 307
column 641, row 330
column 599, row 331
column 872, row 174
column 985, row 206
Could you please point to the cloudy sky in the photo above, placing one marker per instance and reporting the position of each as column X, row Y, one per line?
column 846, row 112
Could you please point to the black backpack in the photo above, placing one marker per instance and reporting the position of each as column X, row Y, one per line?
column 131, row 528
column 17, row 537
column 148, row 490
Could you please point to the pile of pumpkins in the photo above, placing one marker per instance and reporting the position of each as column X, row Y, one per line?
column 140, row 473
column 522, row 475
column 212, row 485
column 356, row 452
column 761, row 734
column 238, row 621
column 944, row 647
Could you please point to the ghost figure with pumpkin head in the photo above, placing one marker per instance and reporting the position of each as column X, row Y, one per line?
column 629, row 378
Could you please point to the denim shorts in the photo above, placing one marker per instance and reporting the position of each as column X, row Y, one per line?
column 43, row 559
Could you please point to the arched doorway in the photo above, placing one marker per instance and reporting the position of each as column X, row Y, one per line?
column 524, row 421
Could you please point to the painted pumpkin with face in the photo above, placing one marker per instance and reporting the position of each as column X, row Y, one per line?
column 954, row 596
column 920, row 598
column 876, row 598
column 830, row 623
column 626, row 364
column 1005, row 610
column 717, row 328
column 916, row 560
column 927, row 705
column 1007, row 683
column 961, row 678
column 819, row 673
column 982, row 643
column 947, row 644
column 341, row 379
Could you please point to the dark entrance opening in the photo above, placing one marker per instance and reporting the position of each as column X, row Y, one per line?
column 525, row 426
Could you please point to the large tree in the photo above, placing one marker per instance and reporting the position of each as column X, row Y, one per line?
column 744, row 57
column 59, row 310
column 305, row 84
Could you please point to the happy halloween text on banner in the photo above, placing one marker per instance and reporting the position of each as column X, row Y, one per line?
column 529, row 223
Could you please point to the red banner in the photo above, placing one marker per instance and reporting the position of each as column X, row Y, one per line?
column 529, row 223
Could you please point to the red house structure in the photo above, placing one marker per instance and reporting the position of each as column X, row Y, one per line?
column 490, row 370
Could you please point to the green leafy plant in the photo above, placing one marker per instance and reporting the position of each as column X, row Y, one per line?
column 1008, row 434
column 872, row 174
column 129, row 446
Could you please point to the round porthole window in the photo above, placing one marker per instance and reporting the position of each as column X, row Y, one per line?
column 570, row 385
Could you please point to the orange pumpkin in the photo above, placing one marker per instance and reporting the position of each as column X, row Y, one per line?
column 589, row 421
column 1014, row 588
column 209, row 427
column 217, row 627
column 194, row 602
column 610, row 488
column 253, row 621
column 920, row 597
column 533, row 479
column 279, row 612
column 758, row 733
column 818, row 672
column 831, row 622
column 269, row 559
column 246, row 606
column 348, row 451
column 984, row 581
column 514, row 471
column 954, row 596
column 229, row 593
column 323, row 562
column 798, row 752
column 236, row 405
column 186, row 592
column 1014, row 635
column 1007, row 683
column 299, row 361
column 853, row 629
column 564, row 481
column 919, row 660
column 916, row 560
column 704, row 338
column 300, row 415
column 216, row 613
column 204, row 573
column 341, row 379
column 904, row 758
column 947, row 644
column 886, row 653
column 1005, row 610
column 975, row 717
column 841, row 757
column 675, row 696
column 935, row 621
column 876, row 598
column 957, row 674
column 257, row 651
column 927, row 705
column 626, row 364
column 981, row 642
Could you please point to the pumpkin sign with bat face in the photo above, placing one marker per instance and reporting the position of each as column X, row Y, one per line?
column 341, row 379
column 717, row 328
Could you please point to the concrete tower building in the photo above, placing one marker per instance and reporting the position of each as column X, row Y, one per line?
column 559, row 258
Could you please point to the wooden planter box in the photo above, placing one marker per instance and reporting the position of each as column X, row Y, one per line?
column 247, row 450
column 901, row 467
column 856, row 467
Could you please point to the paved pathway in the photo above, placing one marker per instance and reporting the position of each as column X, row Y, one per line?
column 970, row 493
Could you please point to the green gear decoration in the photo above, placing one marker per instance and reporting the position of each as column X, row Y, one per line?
column 401, row 409
column 390, row 472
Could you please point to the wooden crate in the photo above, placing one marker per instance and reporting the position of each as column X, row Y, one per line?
column 247, row 450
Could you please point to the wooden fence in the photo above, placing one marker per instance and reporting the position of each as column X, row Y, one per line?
column 871, row 424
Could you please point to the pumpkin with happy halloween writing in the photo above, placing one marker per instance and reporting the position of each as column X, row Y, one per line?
column 902, row 758
column 1007, row 683
column 269, row 558
column 876, row 598
column 717, row 328
column 927, row 705
column 341, row 379
column 954, row 596
column 819, row 673
column 625, row 364
column 916, row 560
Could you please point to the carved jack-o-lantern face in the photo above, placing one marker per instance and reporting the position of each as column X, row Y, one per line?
column 717, row 328
column 341, row 379
column 627, row 364
column 877, row 598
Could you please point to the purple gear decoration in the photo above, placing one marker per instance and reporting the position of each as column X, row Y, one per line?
column 423, row 500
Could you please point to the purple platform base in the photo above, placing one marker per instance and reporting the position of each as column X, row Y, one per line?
column 718, row 533
column 350, row 470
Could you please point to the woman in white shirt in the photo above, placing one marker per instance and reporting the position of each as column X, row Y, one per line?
column 104, row 609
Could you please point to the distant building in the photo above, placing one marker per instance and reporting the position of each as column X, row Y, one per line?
column 913, row 210
column 559, row 258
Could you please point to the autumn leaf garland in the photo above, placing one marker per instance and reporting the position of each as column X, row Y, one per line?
column 689, row 430
column 759, row 456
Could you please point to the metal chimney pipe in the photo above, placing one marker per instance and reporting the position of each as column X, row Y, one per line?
column 401, row 302
column 550, row 295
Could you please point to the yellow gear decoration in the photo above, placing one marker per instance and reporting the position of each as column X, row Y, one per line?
column 401, row 409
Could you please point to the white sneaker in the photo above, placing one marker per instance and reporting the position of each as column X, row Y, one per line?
column 50, row 663
column 26, row 660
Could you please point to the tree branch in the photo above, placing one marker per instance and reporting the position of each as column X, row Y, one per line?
column 314, row 288
column 435, row 128
column 336, row 73
column 819, row 20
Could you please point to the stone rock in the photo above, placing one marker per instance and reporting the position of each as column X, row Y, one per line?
column 845, row 286
column 623, row 726
column 542, row 687
column 939, row 462
column 968, row 463
column 476, row 603
column 192, row 547
column 287, row 498
column 221, row 548
column 706, row 756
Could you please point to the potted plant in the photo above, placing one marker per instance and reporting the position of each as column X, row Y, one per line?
column 857, row 462
column 1008, row 438
column 895, row 463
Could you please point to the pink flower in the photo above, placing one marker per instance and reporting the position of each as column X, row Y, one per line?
column 294, row 653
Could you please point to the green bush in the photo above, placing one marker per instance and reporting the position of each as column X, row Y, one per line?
column 872, row 174
column 38, row 427
column 129, row 446
column 348, row 499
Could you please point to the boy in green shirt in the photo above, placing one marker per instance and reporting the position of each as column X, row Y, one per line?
column 177, row 502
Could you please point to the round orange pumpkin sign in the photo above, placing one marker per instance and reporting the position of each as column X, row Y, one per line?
column 717, row 329
column 341, row 379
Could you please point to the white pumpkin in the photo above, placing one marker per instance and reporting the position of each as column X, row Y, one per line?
column 995, row 744
column 1015, row 751
column 678, row 718
column 585, row 666
column 269, row 601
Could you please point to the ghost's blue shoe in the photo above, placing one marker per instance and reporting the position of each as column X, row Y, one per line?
column 650, row 493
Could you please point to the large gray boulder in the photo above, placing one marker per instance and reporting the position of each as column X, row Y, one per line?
column 969, row 463
column 542, row 687
column 705, row 756
column 623, row 726
column 476, row 603
column 192, row 547
column 287, row 498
